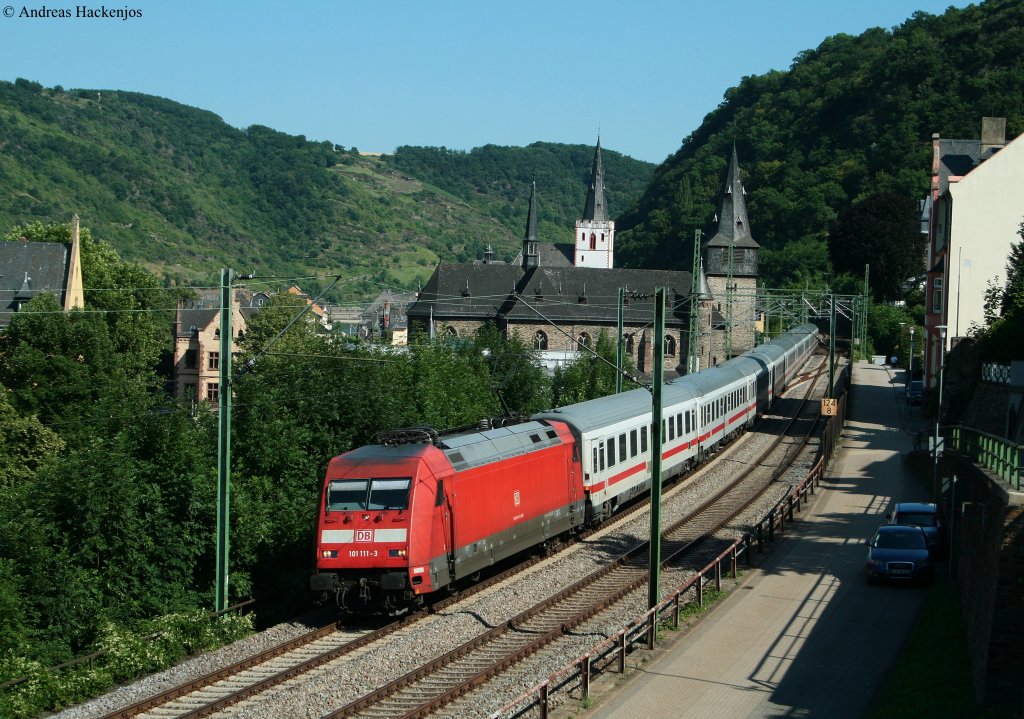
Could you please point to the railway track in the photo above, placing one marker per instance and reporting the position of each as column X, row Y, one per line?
column 439, row 682
column 218, row 690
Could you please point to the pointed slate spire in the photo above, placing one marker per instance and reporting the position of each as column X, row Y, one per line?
column 530, row 257
column 595, row 207
column 733, row 228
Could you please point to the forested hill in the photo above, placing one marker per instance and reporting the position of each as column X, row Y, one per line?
column 182, row 193
column 850, row 118
column 496, row 180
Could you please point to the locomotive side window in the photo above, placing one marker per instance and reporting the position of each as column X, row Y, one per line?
column 440, row 493
column 389, row 494
column 346, row 494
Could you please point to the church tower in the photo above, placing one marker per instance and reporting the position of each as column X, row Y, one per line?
column 730, row 264
column 531, row 256
column 595, row 233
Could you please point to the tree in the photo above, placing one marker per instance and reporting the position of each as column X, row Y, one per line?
column 881, row 231
column 589, row 376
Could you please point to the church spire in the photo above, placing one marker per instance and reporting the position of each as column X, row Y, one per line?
column 595, row 208
column 530, row 257
column 595, row 232
column 733, row 227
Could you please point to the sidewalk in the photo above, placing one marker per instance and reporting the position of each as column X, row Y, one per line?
column 804, row 635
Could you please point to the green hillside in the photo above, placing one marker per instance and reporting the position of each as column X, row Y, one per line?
column 851, row 118
column 182, row 193
column 496, row 180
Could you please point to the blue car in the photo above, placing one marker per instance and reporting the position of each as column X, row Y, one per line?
column 899, row 553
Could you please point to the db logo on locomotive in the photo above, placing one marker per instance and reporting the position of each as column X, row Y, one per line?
column 364, row 535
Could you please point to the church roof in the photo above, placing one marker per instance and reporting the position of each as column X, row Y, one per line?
column 562, row 295
column 733, row 227
column 595, row 208
column 29, row 269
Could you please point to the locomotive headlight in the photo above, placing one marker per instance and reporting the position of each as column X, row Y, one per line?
column 329, row 553
column 397, row 553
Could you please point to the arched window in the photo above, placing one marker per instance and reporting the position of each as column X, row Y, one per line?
column 593, row 241
column 451, row 333
column 670, row 346
column 583, row 237
column 629, row 344
column 583, row 340
column 540, row 341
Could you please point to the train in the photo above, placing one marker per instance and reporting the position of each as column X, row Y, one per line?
column 419, row 512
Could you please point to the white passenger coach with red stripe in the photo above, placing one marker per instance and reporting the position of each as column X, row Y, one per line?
column 421, row 511
column 699, row 412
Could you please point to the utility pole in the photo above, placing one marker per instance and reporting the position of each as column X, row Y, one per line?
column 693, row 343
column 224, row 440
column 729, row 291
column 654, row 594
column 618, row 349
column 864, row 314
column 832, row 348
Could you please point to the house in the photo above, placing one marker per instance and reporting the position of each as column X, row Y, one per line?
column 197, row 342
column 974, row 210
column 29, row 269
column 384, row 319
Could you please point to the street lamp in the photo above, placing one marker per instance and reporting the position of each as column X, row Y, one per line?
column 910, row 369
column 938, row 412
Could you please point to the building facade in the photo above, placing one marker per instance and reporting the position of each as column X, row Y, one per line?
column 974, row 212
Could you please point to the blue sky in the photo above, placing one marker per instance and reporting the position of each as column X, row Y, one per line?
column 376, row 74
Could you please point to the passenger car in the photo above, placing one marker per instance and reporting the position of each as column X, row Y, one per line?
column 899, row 553
column 915, row 391
column 926, row 516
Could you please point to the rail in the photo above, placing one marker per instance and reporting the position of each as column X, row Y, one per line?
column 1004, row 458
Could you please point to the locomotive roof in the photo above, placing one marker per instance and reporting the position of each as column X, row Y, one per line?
column 476, row 448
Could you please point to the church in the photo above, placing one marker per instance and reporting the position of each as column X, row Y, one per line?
column 560, row 298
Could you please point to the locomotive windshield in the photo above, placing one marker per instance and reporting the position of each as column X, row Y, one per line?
column 355, row 494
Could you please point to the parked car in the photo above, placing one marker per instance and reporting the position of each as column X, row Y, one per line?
column 926, row 516
column 915, row 391
column 899, row 553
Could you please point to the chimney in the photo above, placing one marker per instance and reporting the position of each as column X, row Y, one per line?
column 993, row 134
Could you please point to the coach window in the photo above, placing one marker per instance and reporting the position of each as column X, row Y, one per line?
column 671, row 428
column 643, row 438
column 632, row 443
column 679, row 425
column 622, row 446
column 611, row 451
column 687, row 415
column 594, row 464
column 601, row 455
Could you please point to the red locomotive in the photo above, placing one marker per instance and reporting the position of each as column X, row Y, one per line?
column 406, row 517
